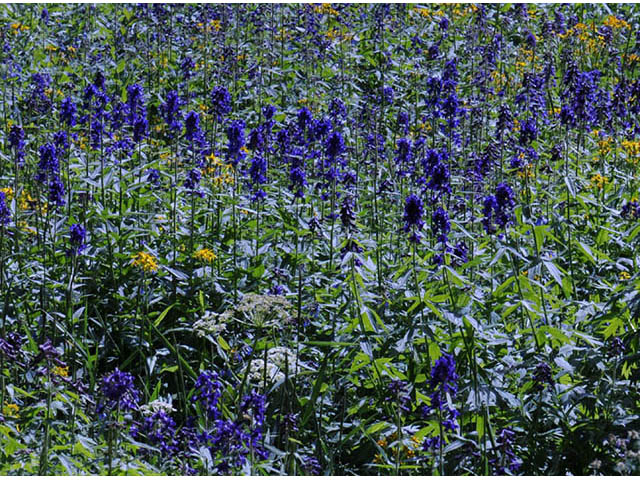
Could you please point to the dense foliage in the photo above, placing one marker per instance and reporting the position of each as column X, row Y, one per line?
column 319, row 239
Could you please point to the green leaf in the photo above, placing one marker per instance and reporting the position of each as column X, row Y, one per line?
column 615, row 325
column 584, row 248
column 376, row 427
column 554, row 271
column 309, row 406
column 156, row 323
column 480, row 426
column 222, row 342
column 434, row 351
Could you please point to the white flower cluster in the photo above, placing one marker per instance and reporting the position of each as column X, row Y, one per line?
column 279, row 361
column 158, row 405
column 283, row 357
column 210, row 323
column 256, row 372
column 264, row 310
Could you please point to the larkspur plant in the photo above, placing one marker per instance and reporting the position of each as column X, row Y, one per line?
column 319, row 239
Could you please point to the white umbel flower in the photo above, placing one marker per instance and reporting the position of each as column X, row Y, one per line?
column 257, row 372
column 280, row 360
column 158, row 405
column 210, row 324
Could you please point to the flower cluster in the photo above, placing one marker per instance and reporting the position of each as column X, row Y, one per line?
column 220, row 102
column 210, row 323
column 413, row 212
column 281, row 362
column 171, row 111
column 498, row 208
column 11, row 345
column 5, row 213
column 155, row 406
column 235, row 134
column 16, row 141
column 146, row 262
column 48, row 171
column 263, row 310
column 77, row 235
column 208, row 392
column 119, row 391
column 444, row 385
column 205, row 255
column 68, row 112
column 508, row 462
column 542, row 376
column 440, row 224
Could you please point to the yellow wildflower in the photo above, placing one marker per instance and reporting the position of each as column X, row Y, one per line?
column 333, row 34
column 625, row 275
column 26, row 228
column 598, row 181
column 61, row 371
column 614, row 22
column 205, row 255
column 145, row 261
column 632, row 148
column 11, row 410
column 8, row 193
column 633, row 57
column 605, row 145
column 325, row 8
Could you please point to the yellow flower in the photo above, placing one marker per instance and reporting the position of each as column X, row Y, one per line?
column 26, row 228
column 205, row 255
column 333, row 34
column 410, row 453
column 526, row 172
column 632, row 148
column 625, row 275
column 61, row 371
column 605, row 145
column 26, row 200
column 19, row 27
column 598, row 181
column 8, row 193
column 325, row 8
column 632, row 57
column 11, row 410
column 145, row 261
column 614, row 22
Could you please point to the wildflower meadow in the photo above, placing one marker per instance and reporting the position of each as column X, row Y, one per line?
column 319, row 239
